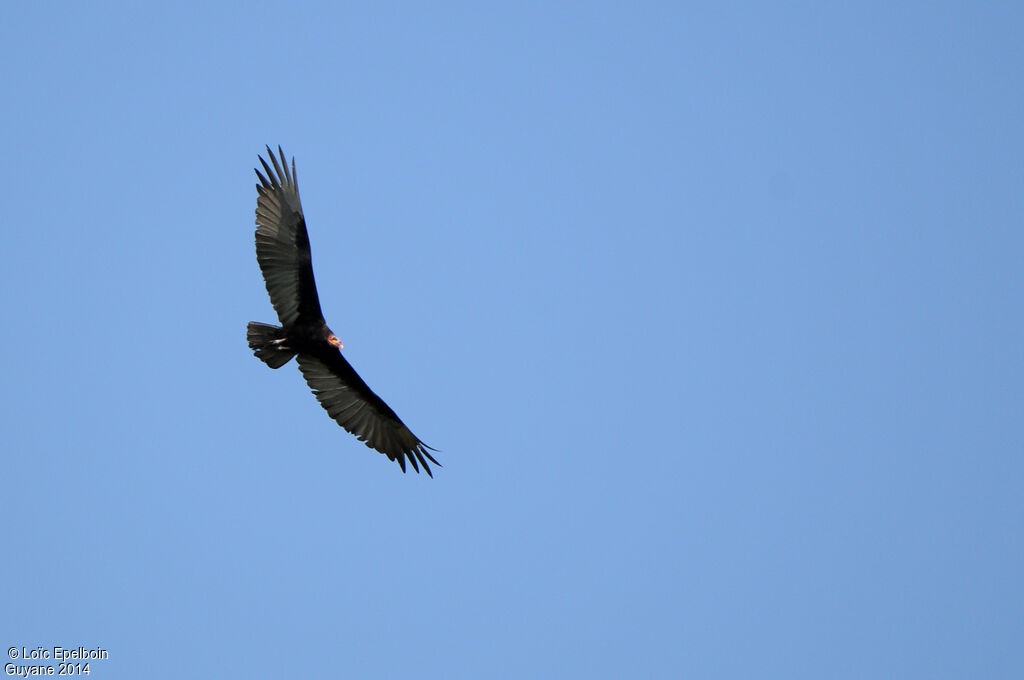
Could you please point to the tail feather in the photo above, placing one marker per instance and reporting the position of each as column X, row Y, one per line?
column 262, row 339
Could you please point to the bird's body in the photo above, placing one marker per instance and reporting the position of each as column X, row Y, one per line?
column 283, row 253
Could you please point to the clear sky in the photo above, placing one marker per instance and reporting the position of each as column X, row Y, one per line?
column 714, row 312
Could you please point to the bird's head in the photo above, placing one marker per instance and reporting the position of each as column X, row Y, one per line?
column 334, row 340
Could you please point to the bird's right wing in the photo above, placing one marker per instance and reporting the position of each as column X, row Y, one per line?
column 282, row 243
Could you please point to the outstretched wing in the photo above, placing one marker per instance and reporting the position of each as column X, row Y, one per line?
column 282, row 243
column 355, row 407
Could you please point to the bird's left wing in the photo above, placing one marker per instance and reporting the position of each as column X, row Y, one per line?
column 350, row 402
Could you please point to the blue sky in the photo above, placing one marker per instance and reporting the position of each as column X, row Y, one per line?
column 713, row 311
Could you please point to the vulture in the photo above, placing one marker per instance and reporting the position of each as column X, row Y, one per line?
column 282, row 250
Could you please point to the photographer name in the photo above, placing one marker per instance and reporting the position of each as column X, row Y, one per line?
column 60, row 653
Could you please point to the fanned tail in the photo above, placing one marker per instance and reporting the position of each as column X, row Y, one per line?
column 266, row 341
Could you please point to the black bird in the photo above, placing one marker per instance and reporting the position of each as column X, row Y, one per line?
column 282, row 250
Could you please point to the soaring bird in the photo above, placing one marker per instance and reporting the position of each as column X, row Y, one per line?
column 282, row 250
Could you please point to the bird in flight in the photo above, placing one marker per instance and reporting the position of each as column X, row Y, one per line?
column 282, row 250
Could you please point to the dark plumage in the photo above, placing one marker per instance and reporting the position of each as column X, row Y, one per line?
column 282, row 250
